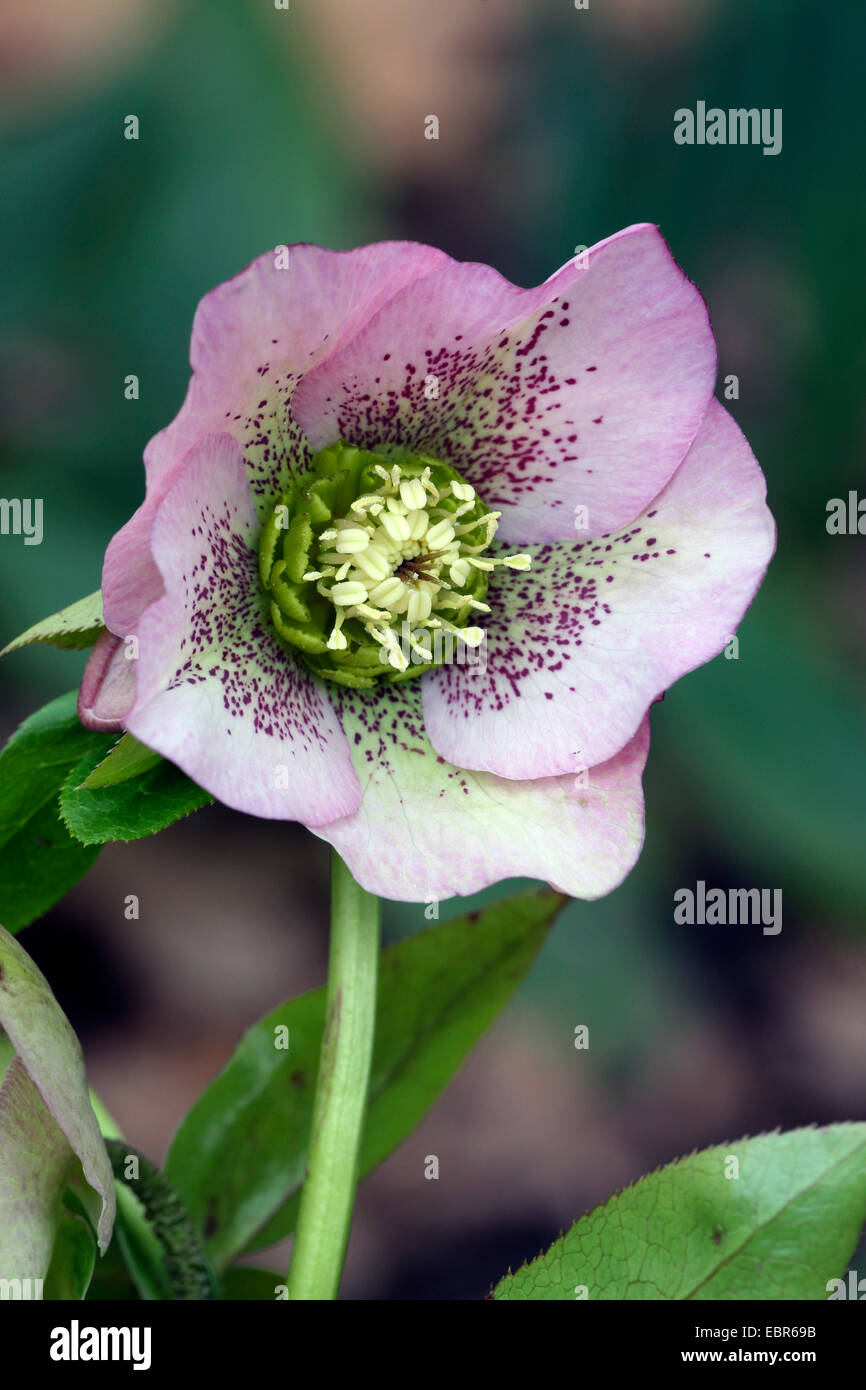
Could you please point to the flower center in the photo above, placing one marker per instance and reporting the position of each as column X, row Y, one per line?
column 375, row 567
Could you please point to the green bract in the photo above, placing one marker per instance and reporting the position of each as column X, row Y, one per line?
column 374, row 564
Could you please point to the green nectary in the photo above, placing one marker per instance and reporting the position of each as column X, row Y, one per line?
column 374, row 564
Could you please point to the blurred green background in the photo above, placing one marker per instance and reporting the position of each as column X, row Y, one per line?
column 260, row 126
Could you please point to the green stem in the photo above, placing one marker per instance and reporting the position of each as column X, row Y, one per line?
column 340, row 1103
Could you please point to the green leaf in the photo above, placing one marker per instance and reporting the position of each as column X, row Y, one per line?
column 73, row 628
column 46, row 848
column 7, row 1052
column 127, row 810
column 112, row 1282
column 37, row 759
column 128, row 758
column 188, row 1269
column 246, row 1283
column 238, row 1159
column 73, row 1259
column 140, row 1248
column 136, row 1255
column 49, row 1136
column 39, row 860
column 38, row 866
column 779, row 1222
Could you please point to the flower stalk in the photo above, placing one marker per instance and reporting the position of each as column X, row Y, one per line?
column 340, row 1103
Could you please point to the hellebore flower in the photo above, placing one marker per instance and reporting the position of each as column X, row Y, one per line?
column 420, row 550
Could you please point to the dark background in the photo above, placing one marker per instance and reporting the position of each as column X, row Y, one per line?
column 258, row 127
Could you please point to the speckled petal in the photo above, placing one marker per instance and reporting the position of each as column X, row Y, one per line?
column 585, row 392
column 427, row 830
column 580, row 644
column 252, row 340
column 215, row 692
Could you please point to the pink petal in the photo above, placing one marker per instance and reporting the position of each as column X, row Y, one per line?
column 252, row 340
column 584, row 392
column 426, row 830
column 579, row 645
column 130, row 579
column 215, row 692
column 107, row 688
